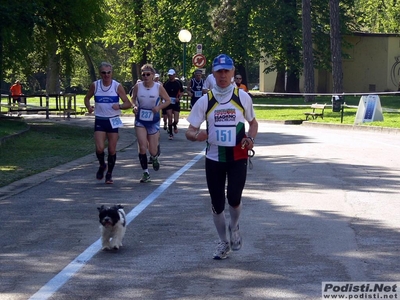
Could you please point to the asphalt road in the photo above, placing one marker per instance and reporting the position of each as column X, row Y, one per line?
column 320, row 204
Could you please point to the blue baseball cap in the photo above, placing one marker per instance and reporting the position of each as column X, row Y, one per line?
column 222, row 62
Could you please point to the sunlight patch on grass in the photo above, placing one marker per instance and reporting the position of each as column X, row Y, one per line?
column 8, row 168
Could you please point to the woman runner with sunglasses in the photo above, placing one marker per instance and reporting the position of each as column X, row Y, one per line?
column 147, row 104
column 107, row 110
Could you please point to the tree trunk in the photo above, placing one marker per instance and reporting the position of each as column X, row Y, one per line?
column 280, row 82
column 308, row 58
column 336, row 48
column 53, row 67
column 1, row 60
column 293, row 82
column 292, row 49
column 89, row 62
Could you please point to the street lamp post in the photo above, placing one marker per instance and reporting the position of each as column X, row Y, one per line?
column 184, row 36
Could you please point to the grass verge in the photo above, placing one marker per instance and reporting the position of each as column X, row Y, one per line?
column 43, row 146
column 9, row 126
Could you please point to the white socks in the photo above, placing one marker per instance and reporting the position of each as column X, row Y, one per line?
column 235, row 214
column 220, row 223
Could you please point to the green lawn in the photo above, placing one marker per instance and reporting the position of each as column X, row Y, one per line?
column 11, row 127
column 278, row 109
column 45, row 145
column 282, row 109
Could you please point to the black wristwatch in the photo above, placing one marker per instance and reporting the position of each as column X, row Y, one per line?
column 251, row 139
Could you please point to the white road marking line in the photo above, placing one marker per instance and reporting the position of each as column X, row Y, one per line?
column 73, row 267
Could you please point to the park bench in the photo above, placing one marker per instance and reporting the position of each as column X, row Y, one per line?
column 317, row 111
column 83, row 109
column 185, row 101
column 65, row 103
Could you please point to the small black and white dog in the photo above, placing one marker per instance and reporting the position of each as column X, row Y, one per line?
column 113, row 226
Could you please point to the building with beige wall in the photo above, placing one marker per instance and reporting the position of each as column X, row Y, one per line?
column 373, row 66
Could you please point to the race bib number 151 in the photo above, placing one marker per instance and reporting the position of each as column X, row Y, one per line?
column 225, row 136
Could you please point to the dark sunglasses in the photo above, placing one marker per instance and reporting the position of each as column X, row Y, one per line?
column 146, row 74
column 105, row 72
column 238, row 78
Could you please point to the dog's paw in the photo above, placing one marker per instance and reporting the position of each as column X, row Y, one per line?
column 106, row 248
column 116, row 247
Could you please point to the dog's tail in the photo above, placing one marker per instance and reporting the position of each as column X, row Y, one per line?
column 121, row 214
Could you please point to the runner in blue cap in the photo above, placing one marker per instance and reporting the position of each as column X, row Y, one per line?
column 226, row 109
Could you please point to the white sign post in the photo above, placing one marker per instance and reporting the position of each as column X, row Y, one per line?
column 369, row 109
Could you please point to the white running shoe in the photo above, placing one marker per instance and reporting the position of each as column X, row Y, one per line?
column 222, row 250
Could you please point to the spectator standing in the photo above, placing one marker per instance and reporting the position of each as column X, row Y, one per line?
column 146, row 98
column 239, row 84
column 225, row 109
column 174, row 89
column 16, row 92
column 107, row 110
column 195, row 88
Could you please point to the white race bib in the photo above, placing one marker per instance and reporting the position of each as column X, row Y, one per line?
column 116, row 122
column 146, row 115
column 223, row 136
column 173, row 100
column 198, row 94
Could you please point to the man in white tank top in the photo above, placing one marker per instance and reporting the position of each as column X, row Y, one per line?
column 107, row 110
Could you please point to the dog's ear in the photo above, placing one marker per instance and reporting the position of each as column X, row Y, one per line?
column 100, row 208
column 119, row 206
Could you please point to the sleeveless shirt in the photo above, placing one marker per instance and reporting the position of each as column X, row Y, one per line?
column 147, row 98
column 196, row 88
column 104, row 98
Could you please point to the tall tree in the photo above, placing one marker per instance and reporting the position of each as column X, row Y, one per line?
column 231, row 26
column 336, row 46
column 278, row 25
column 147, row 31
column 379, row 16
column 72, row 27
column 308, row 58
column 16, row 30
column 67, row 24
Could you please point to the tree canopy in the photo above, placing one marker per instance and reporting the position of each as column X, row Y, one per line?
column 64, row 40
